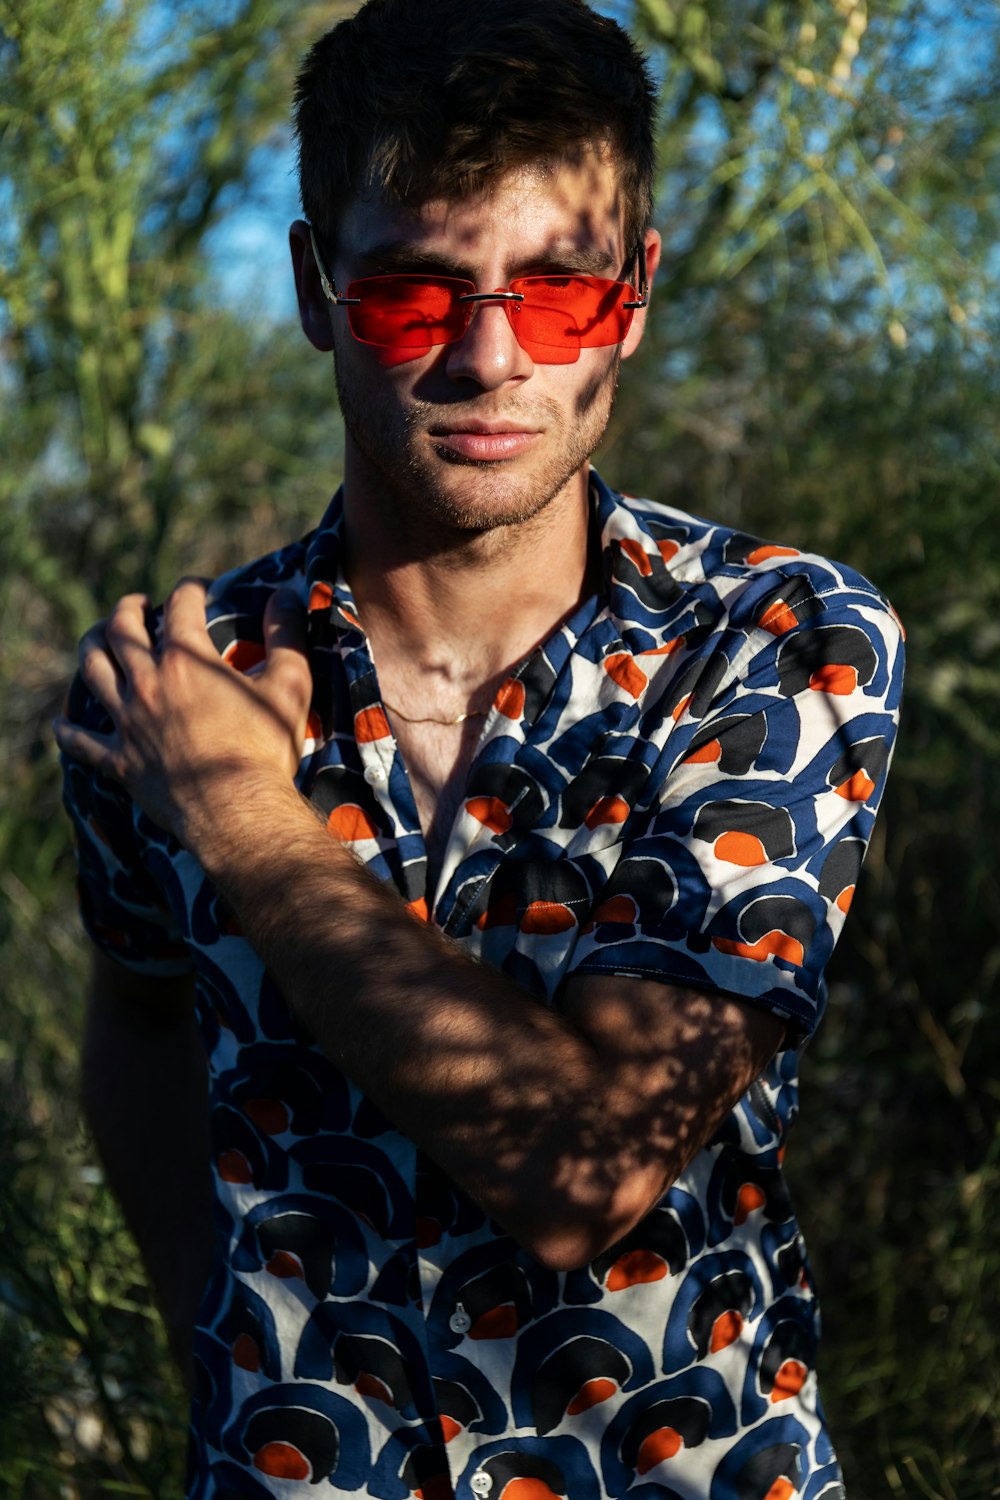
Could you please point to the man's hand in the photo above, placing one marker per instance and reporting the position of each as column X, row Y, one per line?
column 191, row 733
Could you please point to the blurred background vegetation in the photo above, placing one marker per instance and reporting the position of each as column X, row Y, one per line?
column 821, row 367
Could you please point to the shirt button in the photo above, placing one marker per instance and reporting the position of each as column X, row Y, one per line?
column 481, row 1483
column 460, row 1322
column 374, row 775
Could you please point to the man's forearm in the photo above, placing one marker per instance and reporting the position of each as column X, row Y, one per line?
column 143, row 1087
column 457, row 1056
column 508, row 1097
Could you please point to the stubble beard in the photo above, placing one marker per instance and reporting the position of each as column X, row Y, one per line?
column 414, row 477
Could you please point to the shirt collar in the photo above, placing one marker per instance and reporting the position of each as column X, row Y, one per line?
column 632, row 556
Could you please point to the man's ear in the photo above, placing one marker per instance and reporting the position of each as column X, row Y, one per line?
column 634, row 336
column 314, row 309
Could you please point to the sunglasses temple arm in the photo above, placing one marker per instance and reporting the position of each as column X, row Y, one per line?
column 643, row 280
column 326, row 281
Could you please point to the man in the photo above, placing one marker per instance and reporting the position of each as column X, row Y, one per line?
column 499, row 1074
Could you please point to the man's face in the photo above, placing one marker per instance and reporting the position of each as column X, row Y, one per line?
column 476, row 434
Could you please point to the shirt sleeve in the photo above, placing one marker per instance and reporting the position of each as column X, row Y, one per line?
column 122, row 904
column 740, row 876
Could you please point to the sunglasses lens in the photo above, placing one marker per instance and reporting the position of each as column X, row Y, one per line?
column 577, row 312
column 563, row 314
column 408, row 312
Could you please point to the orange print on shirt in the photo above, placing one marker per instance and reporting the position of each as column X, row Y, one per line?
column 371, row 724
column 662, row 1444
column 491, row 812
column 617, row 909
column 726, row 1330
column 510, row 699
column 769, row 549
column 623, row 669
column 789, row 1380
column 635, row 1268
column 282, row 1461
column 285, row 1264
column 528, row 1489
column 498, row 1323
column 243, row 656
column 637, row 554
column 705, row 755
column 750, row 1197
column 834, row 678
column 269, row 1115
column 370, row 1385
column 232, row 1166
column 779, row 618
column 246, row 1355
column 776, row 944
column 351, row 823
column 591, row 1394
column 740, row 849
column 858, row 789
column 667, row 649
column 607, row 810
column 547, row 917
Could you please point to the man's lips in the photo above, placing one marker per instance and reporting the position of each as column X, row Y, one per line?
column 484, row 441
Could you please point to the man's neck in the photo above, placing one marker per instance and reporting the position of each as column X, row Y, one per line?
column 453, row 609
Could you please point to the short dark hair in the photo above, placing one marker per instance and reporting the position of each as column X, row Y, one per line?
column 421, row 99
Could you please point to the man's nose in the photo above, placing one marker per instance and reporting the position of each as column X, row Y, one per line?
column 488, row 352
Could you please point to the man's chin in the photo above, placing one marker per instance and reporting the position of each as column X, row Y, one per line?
column 479, row 496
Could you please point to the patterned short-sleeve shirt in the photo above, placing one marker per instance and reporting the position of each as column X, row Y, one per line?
column 678, row 784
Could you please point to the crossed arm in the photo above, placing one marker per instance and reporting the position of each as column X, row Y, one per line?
column 566, row 1127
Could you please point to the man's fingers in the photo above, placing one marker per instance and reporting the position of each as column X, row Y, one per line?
column 127, row 635
column 99, row 669
column 285, row 622
column 285, row 640
column 99, row 751
column 184, row 620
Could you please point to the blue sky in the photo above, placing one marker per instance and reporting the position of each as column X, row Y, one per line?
column 248, row 249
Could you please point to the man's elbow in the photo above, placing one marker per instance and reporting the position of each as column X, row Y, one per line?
column 572, row 1237
column 566, row 1251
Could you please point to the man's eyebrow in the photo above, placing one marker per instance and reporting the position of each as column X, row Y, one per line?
column 404, row 255
column 588, row 260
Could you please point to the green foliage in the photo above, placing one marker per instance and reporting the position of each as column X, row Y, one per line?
column 823, row 369
column 145, row 432
column 820, row 367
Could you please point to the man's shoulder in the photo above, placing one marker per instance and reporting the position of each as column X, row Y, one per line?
column 756, row 580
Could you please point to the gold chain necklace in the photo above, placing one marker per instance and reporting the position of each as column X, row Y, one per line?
column 474, row 713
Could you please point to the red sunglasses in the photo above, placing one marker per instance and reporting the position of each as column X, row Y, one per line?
column 552, row 316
